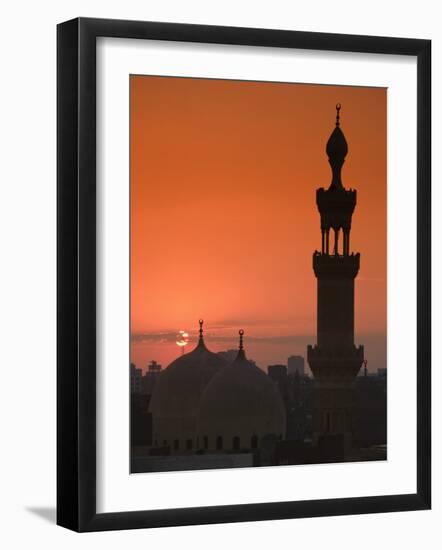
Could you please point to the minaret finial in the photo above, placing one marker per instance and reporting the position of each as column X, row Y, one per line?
column 338, row 108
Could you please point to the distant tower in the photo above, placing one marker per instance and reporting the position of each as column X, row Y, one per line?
column 295, row 364
column 335, row 360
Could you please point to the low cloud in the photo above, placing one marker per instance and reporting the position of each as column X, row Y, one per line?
column 170, row 337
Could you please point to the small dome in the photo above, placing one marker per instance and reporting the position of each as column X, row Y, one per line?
column 240, row 404
column 177, row 393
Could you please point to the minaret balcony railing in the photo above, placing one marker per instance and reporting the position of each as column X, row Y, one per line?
column 352, row 352
column 336, row 265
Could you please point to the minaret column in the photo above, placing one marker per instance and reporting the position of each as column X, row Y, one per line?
column 335, row 360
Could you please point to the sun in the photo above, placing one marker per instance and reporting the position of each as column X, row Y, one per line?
column 182, row 339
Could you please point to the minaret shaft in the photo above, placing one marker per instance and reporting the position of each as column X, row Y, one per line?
column 335, row 331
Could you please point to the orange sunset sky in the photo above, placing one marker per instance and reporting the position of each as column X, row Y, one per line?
column 223, row 215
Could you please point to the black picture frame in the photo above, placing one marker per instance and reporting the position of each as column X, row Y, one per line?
column 76, row 273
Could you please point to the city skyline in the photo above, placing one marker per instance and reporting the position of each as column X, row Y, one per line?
column 277, row 349
column 255, row 248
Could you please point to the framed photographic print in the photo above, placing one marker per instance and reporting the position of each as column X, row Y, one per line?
column 243, row 256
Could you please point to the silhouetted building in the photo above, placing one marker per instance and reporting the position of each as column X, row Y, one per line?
column 141, row 387
column 140, row 420
column 278, row 373
column 370, row 412
column 135, row 379
column 335, row 360
column 382, row 372
column 150, row 377
column 153, row 368
column 295, row 363
column 299, row 408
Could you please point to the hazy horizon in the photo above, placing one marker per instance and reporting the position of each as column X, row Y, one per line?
column 162, row 347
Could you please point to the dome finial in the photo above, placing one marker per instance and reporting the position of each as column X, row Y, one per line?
column 201, row 339
column 241, row 344
column 338, row 108
column 241, row 353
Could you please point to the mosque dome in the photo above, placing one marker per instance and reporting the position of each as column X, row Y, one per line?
column 240, row 406
column 176, row 397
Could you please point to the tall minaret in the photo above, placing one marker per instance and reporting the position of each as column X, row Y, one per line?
column 335, row 360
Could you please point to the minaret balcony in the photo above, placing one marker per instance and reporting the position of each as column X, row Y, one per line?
column 320, row 353
column 338, row 362
column 336, row 265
